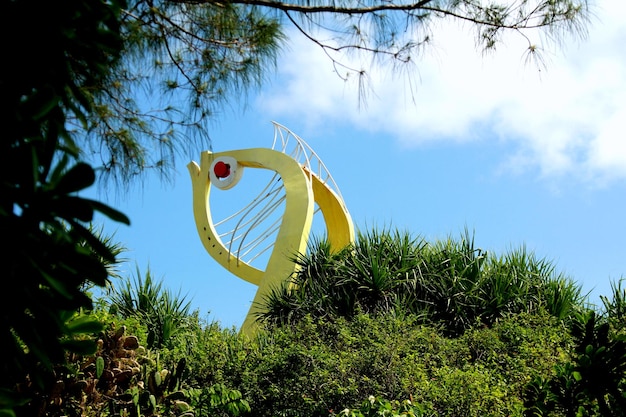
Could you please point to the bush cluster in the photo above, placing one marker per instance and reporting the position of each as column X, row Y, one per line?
column 450, row 282
column 381, row 362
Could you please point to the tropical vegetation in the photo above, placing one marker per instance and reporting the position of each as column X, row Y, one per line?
column 449, row 281
column 544, row 352
column 391, row 326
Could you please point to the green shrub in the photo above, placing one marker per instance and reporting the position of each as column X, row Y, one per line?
column 319, row 365
column 163, row 312
column 450, row 283
column 592, row 382
column 374, row 407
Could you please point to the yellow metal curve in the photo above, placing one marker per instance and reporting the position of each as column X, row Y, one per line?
column 302, row 190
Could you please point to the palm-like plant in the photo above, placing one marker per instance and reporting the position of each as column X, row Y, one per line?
column 452, row 277
column 163, row 312
column 380, row 267
column 316, row 289
column 519, row 281
column 615, row 307
column 449, row 282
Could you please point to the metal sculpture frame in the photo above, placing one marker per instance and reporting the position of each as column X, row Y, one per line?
column 308, row 187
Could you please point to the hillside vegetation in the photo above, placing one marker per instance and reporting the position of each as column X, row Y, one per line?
column 393, row 326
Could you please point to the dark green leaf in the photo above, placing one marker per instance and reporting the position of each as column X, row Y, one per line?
column 110, row 212
column 81, row 347
column 59, row 286
column 6, row 412
column 70, row 208
column 88, row 267
column 57, row 173
column 41, row 103
column 79, row 177
column 93, row 241
column 84, row 325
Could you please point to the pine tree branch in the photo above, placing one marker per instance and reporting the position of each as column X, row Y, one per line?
column 423, row 5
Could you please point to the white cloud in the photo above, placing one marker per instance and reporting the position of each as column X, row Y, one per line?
column 608, row 148
column 567, row 120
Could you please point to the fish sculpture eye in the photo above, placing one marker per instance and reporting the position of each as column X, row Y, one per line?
column 225, row 172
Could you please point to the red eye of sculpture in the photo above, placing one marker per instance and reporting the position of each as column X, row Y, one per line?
column 221, row 169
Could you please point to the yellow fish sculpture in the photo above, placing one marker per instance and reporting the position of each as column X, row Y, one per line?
column 277, row 222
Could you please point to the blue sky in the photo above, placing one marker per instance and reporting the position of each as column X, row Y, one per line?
column 521, row 155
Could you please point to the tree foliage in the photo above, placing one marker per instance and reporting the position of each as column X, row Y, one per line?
column 102, row 80
column 49, row 252
column 181, row 62
column 184, row 60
